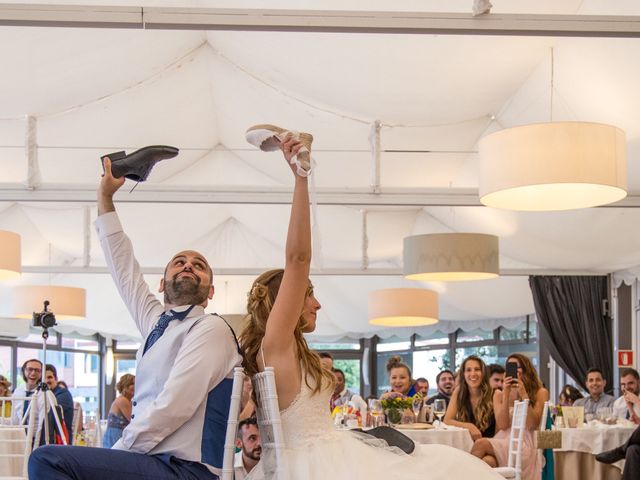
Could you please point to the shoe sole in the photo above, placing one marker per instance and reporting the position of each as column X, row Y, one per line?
column 306, row 139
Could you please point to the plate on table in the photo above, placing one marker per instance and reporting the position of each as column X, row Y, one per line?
column 415, row 426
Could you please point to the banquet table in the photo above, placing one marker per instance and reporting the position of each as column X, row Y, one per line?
column 576, row 459
column 449, row 435
column 11, row 442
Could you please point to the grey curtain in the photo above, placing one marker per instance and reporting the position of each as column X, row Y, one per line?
column 570, row 310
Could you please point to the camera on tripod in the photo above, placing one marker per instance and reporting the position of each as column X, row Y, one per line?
column 45, row 318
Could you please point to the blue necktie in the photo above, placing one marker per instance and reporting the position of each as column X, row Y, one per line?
column 162, row 325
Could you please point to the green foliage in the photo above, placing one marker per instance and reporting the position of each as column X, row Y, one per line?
column 351, row 369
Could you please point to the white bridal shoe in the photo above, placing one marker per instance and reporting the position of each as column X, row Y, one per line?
column 268, row 138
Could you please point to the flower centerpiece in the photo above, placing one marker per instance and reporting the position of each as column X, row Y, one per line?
column 394, row 404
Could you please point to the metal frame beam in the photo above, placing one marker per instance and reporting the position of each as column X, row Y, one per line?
column 319, row 21
column 149, row 193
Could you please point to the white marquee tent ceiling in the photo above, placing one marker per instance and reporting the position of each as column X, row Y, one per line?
column 94, row 91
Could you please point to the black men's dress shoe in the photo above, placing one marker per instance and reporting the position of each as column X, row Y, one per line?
column 611, row 456
column 392, row 436
column 137, row 165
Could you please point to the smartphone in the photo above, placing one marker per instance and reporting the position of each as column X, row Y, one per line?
column 512, row 370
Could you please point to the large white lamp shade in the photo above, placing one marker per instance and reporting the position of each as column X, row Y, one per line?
column 403, row 307
column 10, row 259
column 67, row 303
column 446, row 257
column 553, row 166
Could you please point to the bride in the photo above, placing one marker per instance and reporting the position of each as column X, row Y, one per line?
column 281, row 308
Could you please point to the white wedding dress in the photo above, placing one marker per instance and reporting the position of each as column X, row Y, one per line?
column 315, row 450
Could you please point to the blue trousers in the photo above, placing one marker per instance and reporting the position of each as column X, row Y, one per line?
column 62, row 462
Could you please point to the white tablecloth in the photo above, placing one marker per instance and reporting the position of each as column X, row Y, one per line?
column 11, row 441
column 452, row 436
column 595, row 439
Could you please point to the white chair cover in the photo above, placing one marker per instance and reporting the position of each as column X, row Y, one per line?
column 518, row 426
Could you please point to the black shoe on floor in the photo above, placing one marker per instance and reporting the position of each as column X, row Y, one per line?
column 137, row 165
column 611, row 456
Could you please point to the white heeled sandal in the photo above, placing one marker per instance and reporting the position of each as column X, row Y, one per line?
column 268, row 138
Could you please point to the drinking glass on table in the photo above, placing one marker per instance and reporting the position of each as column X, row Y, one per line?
column 416, row 406
column 439, row 409
column 376, row 411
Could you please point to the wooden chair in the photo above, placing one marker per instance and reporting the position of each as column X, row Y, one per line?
column 270, row 425
column 232, row 425
column 518, row 426
column 9, row 443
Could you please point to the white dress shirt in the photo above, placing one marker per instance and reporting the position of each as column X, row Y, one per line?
column 238, row 467
column 183, row 382
column 620, row 408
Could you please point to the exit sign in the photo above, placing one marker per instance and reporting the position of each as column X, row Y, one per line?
column 625, row 358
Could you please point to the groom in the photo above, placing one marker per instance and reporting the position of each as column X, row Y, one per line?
column 183, row 376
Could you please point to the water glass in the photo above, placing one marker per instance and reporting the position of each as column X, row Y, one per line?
column 439, row 409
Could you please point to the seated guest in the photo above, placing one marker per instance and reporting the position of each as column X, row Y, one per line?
column 597, row 398
column 326, row 359
column 340, row 393
column 625, row 406
column 496, row 376
column 527, row 385
column 628, row 451
column 568, row 395
column 247, row 407
column 120, row 412
column 471, row 405
column 5, row 391
column 400, row 377
column 32, row 374
column 422, row 386
column 445, row 382
column 248, row 441
column 63, row 397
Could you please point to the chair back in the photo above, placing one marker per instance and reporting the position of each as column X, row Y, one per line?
column 269, row 424
column 17, row 440
column 545, row 414
column 232, row 425
column 518, row 426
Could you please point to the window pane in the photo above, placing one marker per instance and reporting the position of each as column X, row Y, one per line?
column 476, row 335
column 5, row 363
column 351, row 369
column 393, row 343
column 37, row 338
column 488, row 354
column 79, row 343
column 80, row 372
column 127, row 345
column 528, row 349
column 518, row 333
column 382, row 376
column 429, row 363
column 437, row 338
column 125, row 366
column 533, row 328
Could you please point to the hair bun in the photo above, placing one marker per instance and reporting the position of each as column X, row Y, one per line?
column 259, row 291
column 394, row 362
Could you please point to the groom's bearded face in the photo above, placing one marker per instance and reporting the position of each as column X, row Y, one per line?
column 187, row 279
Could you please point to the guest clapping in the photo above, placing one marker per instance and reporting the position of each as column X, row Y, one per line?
column 471, row 404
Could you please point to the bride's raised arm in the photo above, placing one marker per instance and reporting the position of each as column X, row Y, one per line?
column 284, row 317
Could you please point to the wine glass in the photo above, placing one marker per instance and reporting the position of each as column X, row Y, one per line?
column 376, row 410
column 416, row 405
column 439, row 409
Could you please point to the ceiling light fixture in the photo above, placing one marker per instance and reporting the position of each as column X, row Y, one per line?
column 66, row 303
column 403, row 307
column 10, row 259
column 450, row 257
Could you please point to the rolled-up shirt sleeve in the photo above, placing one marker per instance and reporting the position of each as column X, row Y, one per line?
column 209, row 352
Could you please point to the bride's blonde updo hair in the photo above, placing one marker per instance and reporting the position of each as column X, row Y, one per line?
column 260, row 301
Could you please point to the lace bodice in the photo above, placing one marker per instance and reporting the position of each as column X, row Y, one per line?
column 307, row 418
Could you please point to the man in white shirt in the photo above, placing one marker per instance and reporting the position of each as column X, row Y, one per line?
column 630, row 388
column 184, row 370
column 248, row 441
column 32, row 374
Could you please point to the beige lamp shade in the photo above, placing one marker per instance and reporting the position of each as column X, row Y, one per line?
column 553, row 166
column 446, row 257
column 403, row 307
column 67, row 303
column 10, row 259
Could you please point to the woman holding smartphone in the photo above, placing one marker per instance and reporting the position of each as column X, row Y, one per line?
column 521, row 383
